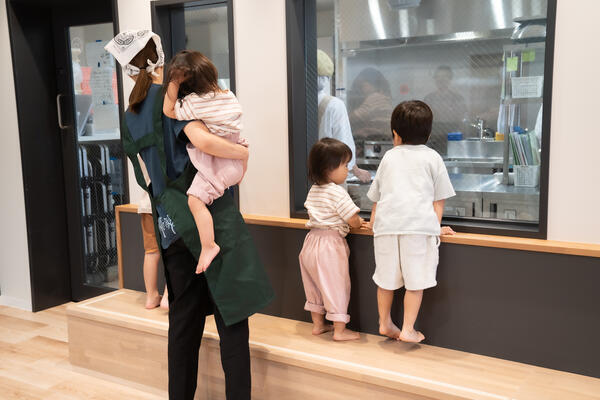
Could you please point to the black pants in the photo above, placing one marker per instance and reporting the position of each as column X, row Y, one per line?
column 189, row 303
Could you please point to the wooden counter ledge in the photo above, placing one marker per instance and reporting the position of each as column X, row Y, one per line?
column 468, row 239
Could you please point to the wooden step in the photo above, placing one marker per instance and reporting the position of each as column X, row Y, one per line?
column 114, row 334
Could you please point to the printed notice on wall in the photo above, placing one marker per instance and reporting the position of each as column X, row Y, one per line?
column 527, row 87
column 102, row 73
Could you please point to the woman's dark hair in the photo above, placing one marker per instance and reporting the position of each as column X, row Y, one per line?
column 326, row 155
column 412, row 121
column 143, row 79
column 375, row 78
column 199, row 73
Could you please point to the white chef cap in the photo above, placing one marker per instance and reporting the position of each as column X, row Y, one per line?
column 126, row 45
column 324, row 64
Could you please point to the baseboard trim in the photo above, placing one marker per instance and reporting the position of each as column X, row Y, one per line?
column 15, row 302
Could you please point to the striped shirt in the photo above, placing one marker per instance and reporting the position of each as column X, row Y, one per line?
column 220, row 111
column 330, row 207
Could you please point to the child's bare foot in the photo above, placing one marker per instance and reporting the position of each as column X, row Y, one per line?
column 345, row 334
column 207, row 254
column 321, row 328
column 389, row 329
column 411, row 336
column 164, row 303
column 152, row 301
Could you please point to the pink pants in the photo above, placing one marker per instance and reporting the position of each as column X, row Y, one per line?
column 214, row 174
column 324, row 268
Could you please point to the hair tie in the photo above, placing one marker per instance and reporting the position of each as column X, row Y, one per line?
column 151, row 67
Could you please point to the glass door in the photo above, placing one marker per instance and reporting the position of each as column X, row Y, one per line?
column 88, row 115
column 96, row 129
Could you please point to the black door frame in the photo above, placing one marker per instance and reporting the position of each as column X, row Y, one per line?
column 51, row 205
column 301, row 27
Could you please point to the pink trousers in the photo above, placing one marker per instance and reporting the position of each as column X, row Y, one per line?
column 324, row 268
column 214, row 174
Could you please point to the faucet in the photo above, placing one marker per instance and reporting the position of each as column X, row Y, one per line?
column 480, row 123
column 481, row 129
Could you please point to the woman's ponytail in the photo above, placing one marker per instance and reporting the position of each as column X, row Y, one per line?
column 143, row 80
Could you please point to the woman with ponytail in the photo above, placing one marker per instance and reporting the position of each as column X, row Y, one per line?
column 236, row 285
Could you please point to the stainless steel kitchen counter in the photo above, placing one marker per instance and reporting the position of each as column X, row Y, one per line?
column 487, row 184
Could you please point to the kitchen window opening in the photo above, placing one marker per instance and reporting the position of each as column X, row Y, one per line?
column 484, row 68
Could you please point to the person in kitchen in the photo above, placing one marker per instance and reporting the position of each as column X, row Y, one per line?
column 370, row 102
column 332, row 115
column 449, row 109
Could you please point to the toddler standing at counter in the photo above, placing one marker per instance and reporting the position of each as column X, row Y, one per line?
column 409, row 191
column 324, row 256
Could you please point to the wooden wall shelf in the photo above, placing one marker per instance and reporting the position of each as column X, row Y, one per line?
column 467, row 239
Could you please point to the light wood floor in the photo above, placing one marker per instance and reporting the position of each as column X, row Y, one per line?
column 34, row 362
column 282, row 349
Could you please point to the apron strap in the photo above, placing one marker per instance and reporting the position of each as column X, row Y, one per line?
column 131, row 148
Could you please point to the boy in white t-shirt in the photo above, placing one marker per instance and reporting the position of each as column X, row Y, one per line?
column 409, row 191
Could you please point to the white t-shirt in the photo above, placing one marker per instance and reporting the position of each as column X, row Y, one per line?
column 409, row 179
column 330, row 207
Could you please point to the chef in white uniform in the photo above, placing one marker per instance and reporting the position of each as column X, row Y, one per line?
column 333, row 116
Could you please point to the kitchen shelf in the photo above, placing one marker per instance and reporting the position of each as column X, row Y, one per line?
column 525, row 100
column 100, row 137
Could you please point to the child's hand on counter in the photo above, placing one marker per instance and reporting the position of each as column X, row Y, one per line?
column 446, row 230
column 366, row 225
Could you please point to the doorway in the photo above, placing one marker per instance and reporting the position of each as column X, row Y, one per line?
column 74, row 171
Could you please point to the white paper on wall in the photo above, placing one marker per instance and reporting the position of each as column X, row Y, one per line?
column 105, row 110
column 527, row 87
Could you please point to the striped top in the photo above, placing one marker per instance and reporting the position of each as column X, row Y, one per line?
column 220, row 111
column 330, row 207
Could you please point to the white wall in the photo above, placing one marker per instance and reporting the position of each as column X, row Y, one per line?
column 262, row 89
column 574, row 187
column 15, row 286
column 261, row 83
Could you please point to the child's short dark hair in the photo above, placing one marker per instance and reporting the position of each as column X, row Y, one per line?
column 326, row 155
column 412, row 121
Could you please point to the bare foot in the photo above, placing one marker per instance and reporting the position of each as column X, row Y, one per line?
column 164, row 303
column 389, row 329
column 320, row 329
column 207, row 254
column 412, row 336
column 346, row 334
column 152, row 301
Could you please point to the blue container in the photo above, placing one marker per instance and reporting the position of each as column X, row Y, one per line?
column 455, row 136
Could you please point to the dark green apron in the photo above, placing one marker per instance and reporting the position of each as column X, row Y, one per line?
column 236, row 278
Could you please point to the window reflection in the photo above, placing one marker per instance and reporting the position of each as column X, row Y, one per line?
column 478, row 64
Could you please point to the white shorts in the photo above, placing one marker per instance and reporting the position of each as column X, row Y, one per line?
column 406, row 260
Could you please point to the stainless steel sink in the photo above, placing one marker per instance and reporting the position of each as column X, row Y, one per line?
column 474, row 156
column 475, row 149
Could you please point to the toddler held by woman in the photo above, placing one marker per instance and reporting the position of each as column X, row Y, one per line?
column 193, row 93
